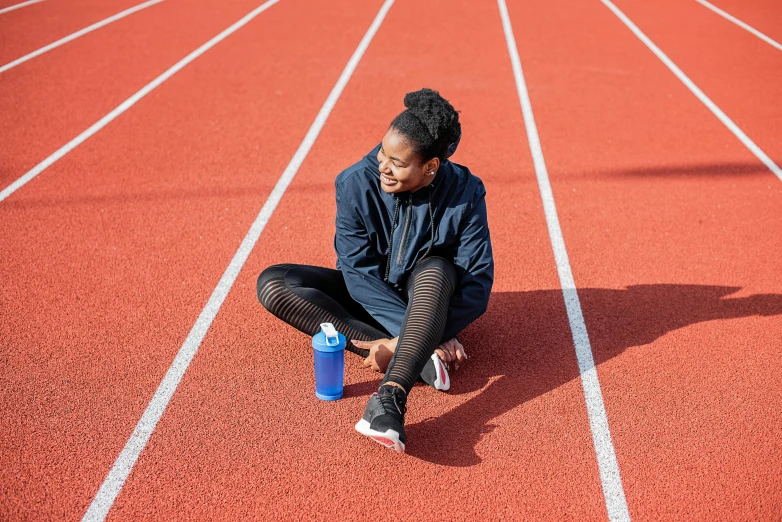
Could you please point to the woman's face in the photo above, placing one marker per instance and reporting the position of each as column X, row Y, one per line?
column 401, row 168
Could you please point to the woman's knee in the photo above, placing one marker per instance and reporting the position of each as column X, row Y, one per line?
column 438, row 267
column 271, row 276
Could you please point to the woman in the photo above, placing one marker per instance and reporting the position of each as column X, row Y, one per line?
column 414, row 262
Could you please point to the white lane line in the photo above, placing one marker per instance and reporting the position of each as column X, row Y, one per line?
column 127, row 104
column 122, row 467
column 743, row 138
column 741, row 24
column 77, row 34
column 607, row 464
column 18, row 6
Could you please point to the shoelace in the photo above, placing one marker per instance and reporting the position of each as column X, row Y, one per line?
column 394, row 393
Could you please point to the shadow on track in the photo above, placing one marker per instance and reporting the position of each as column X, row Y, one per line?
column 704, row 169
column 524, row 339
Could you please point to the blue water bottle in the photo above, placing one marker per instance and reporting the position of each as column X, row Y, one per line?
column 329, row 353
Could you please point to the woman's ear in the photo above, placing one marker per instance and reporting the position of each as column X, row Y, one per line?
column 431, row 166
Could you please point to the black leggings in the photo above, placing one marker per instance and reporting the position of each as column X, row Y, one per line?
column 306, row 296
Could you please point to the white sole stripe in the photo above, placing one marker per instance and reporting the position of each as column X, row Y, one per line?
column 130, row 102
column 18, row 6
column 741, row 24
column 77, row 34
column 608, row 466
column 743, row 138
column 363, row 428
column 114, row 481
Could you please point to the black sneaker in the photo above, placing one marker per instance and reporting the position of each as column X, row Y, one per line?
column 435, row 374
column 384, row 418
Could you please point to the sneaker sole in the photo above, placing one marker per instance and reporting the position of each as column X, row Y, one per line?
column 389, row 438
column 443, row 381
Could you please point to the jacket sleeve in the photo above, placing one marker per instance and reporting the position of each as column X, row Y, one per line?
column 361, row 265
column 475, row 267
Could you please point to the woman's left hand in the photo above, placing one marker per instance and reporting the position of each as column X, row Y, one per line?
column 452, row 353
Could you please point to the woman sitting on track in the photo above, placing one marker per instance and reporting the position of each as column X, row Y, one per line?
column 414, row 260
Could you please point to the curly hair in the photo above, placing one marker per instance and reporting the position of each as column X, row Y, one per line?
column 430, row 123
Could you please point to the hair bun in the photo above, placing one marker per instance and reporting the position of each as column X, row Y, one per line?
column 423, row 99
column 434, row 116
column 432, row 109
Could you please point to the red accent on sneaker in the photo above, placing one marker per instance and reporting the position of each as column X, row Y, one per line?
column 384, row 441
column 442, row 372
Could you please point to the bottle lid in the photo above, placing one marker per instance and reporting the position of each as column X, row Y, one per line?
column 332, row 336
column 328, row 339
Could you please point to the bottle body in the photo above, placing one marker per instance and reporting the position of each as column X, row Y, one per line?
column 329, row 360
column 329, row 375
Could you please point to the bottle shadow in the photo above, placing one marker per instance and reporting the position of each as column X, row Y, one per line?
column 523, row 345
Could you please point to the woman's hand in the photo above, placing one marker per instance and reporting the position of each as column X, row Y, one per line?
column 380, row 352
column 451, row 353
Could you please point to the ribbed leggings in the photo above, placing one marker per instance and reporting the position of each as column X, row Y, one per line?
column 306, row 296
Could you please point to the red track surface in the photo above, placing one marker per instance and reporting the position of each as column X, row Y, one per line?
column 51, row 99
column 737, row 70
column 28, row 28
column 672, row 227
column 763, row 15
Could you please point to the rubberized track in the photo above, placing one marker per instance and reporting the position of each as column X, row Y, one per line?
column 30, row 28
column 7, row 7
column 673, row 230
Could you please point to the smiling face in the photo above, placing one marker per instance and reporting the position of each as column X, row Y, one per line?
column 401, row 169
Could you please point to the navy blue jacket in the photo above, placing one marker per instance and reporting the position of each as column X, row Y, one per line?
column 365, row 214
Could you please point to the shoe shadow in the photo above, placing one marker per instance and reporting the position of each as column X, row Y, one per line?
column 361, row 389
column 524, row 347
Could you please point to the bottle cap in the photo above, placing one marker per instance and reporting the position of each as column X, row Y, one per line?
column 332, row 337
column 328, row 339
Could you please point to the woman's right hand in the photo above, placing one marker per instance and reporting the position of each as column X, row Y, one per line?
column 380, row 352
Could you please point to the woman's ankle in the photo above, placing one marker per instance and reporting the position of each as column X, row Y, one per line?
column 393, row 384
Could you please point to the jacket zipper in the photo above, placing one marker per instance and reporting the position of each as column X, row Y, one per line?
column 391, row 238
column 408, row 215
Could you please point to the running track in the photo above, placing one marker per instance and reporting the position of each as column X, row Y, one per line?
column 673, row 230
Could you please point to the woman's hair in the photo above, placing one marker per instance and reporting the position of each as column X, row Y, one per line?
column 430, row 123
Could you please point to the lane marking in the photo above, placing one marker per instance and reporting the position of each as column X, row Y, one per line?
column 127, row 104
column 18, row 6
column 122, row 467
column 743, row 138
column 741, row 24
column 607, row 464
column 77, row 34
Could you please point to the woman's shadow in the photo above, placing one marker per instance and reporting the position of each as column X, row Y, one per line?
column 524, row 339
